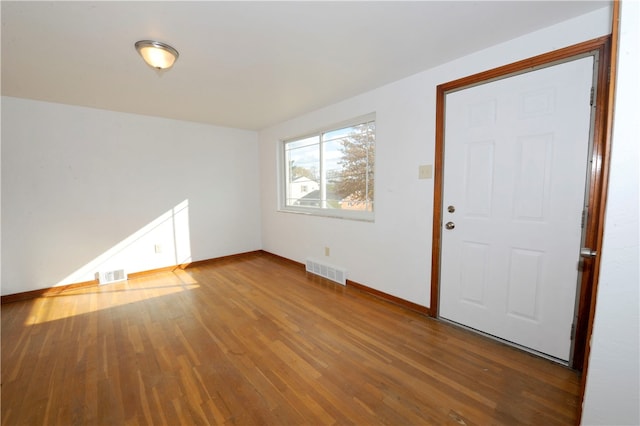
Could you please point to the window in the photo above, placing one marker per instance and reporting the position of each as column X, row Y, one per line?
column 331, row 172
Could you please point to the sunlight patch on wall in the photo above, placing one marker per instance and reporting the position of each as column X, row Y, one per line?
column 163, row 242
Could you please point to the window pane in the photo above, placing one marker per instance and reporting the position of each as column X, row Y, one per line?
column 354, row 184
column 332, row 155
column 332, row 170
column 313, row 140
column 338, row 133
column 303, row 174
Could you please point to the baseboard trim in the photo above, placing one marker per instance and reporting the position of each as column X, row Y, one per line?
column 54, row 291
column 365, row 289
column 390, row 298
column 229, row 257
column 284, row 259
column 45, row 292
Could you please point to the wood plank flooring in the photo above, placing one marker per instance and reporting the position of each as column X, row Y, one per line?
column 254, row 340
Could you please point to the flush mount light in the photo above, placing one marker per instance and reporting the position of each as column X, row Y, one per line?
column 158, row 55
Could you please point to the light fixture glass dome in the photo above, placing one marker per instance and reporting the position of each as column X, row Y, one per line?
column 158, row 55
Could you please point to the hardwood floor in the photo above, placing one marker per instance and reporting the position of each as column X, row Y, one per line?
column 255, row 340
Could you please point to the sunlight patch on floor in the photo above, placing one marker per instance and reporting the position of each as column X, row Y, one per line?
column 96, row 298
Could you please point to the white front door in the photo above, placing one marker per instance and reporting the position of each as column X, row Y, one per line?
column 515, row 162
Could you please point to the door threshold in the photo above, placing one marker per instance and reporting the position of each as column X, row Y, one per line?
column 507, row 342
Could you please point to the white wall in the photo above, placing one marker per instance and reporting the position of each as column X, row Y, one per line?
column 613, row 381
column 86, row 190
column 393, row 254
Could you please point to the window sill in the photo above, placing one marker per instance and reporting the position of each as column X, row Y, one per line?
column 332, row 214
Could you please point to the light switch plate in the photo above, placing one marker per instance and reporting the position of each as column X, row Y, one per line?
column 425, row 171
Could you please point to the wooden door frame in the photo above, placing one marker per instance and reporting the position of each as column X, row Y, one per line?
column 596, row 193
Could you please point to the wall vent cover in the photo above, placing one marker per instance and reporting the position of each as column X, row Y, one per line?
column 331, row 272
column 109, row 277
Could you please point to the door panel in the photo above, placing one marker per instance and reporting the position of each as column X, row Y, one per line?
column 515, row 162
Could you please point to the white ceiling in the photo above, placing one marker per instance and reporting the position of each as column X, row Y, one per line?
column 246, row 64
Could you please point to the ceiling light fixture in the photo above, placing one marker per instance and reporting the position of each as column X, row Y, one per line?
column 158, row 55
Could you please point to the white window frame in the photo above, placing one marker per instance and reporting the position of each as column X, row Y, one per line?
column 368, row 216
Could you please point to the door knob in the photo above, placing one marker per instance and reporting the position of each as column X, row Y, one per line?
column 587, row 252
column 450, row 225
column 451, row 209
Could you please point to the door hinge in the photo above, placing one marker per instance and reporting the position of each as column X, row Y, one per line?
column 573, row 331
column 591, row 96
column 583, row 222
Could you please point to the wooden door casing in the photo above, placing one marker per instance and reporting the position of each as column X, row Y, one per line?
column 597, row 185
